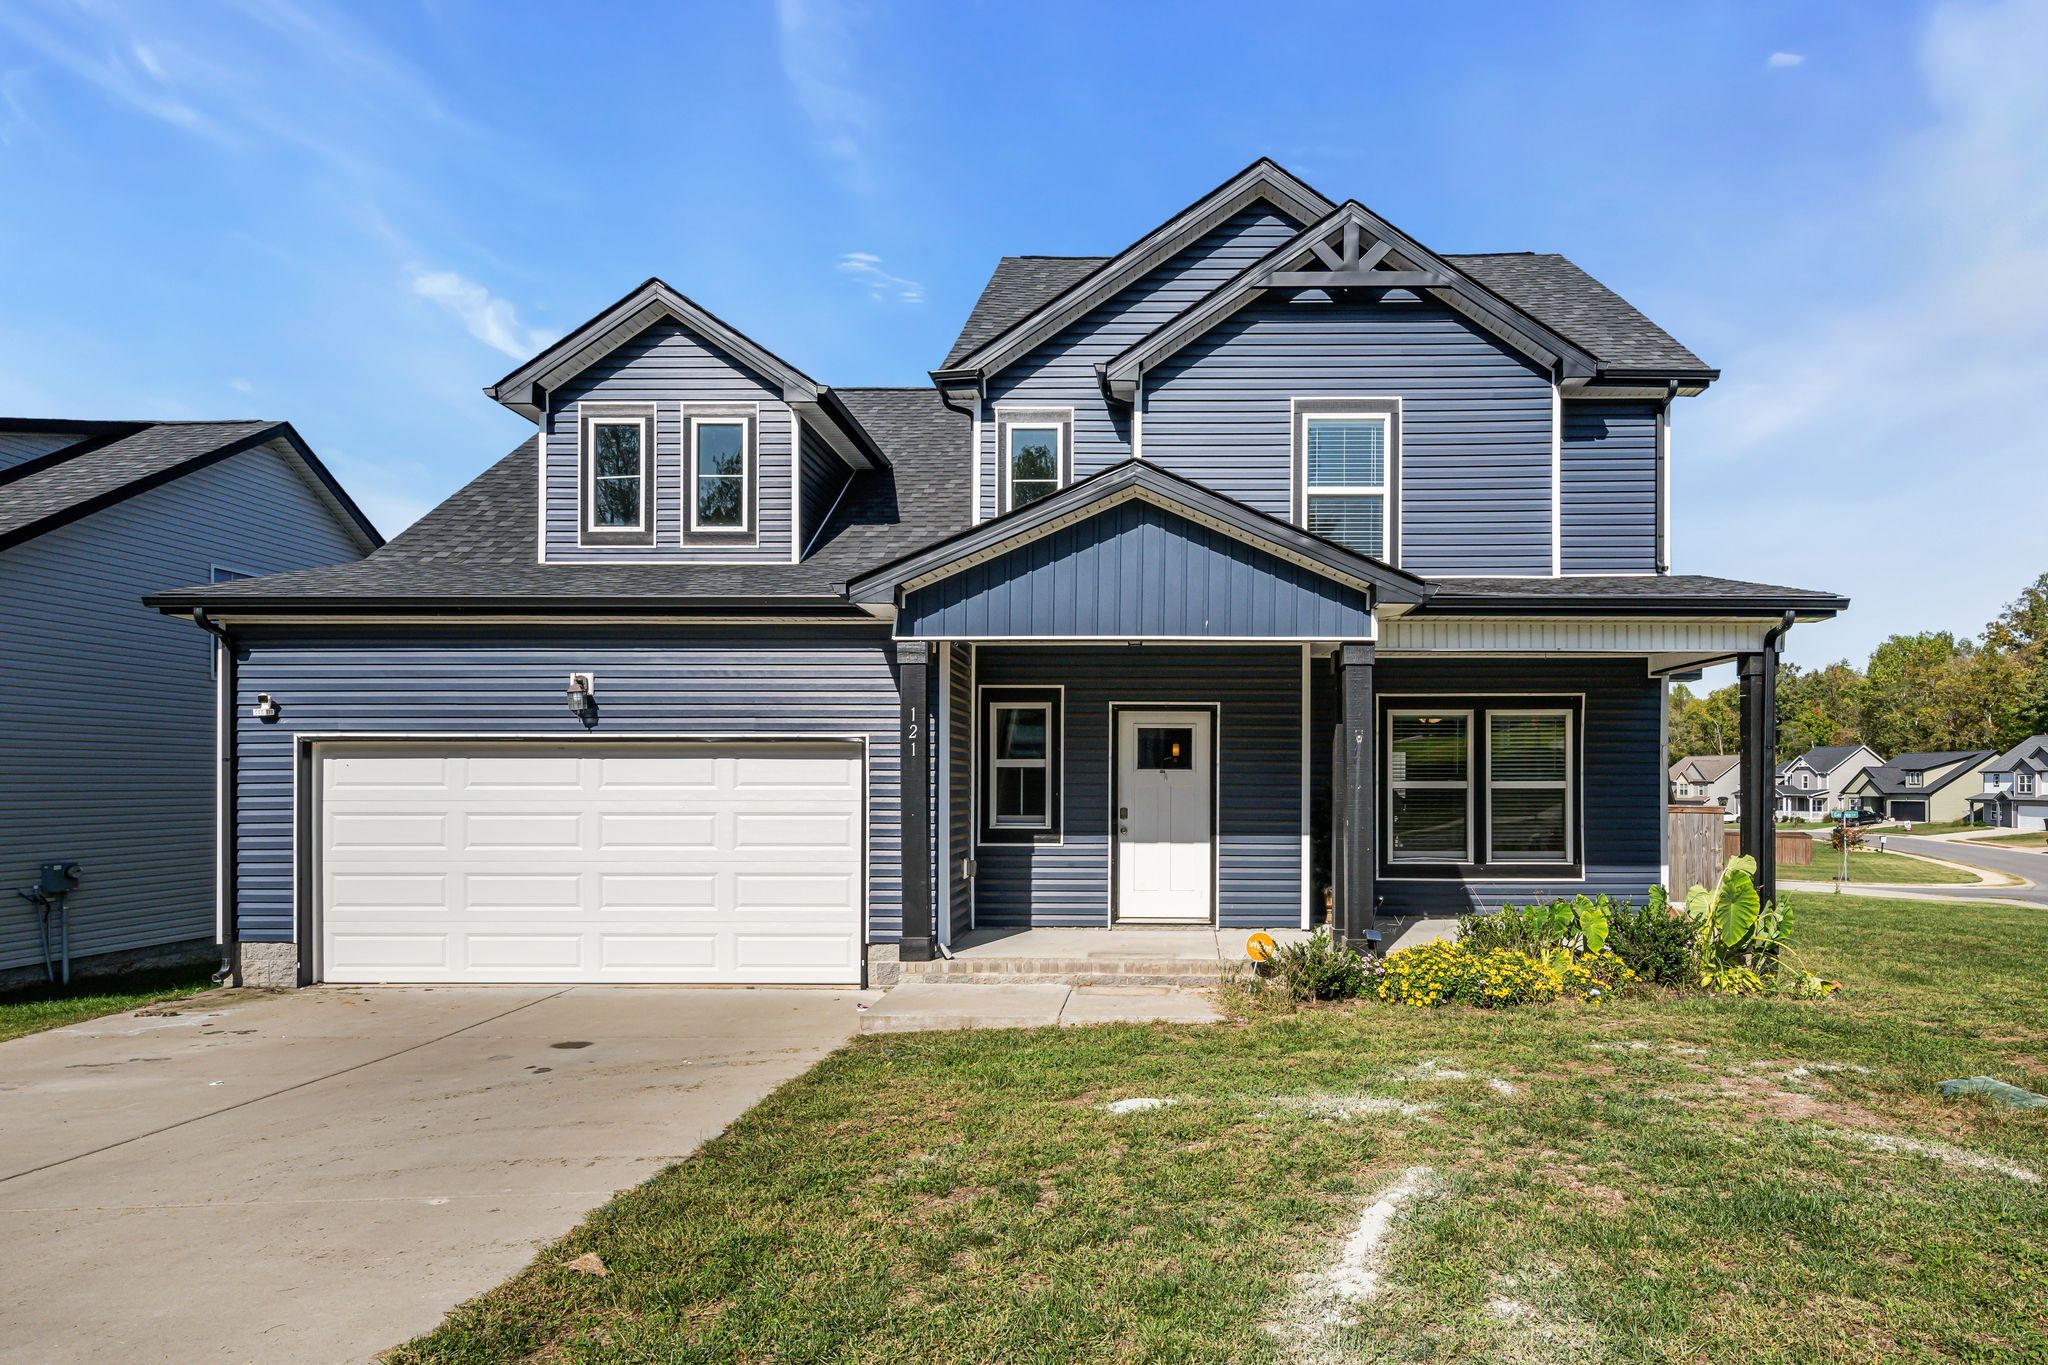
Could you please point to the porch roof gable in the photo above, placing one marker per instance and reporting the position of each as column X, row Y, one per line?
column 1136, row 481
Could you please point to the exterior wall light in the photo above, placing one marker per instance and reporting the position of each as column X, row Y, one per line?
column 265, row 708
column 582, row 692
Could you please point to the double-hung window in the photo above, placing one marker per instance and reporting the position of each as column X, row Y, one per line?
column 2023, row 784
column 718, row 450
column 1033, row 451
column 617, row 459
column 1020, row 787
column 1482, row 786
column 1916, row 779
column 1528, row 786
column 1345, row 458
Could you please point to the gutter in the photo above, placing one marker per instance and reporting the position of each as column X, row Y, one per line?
column 223, row 794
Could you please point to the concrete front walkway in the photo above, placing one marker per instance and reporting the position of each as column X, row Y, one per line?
column 318, row 1176
column 927, row 1006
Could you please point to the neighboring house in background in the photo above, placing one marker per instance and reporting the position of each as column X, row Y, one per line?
column 107, row 739
column 2015, row 794
column 1931, row 787
column 1813, row 784
column 1708, row 780
column 1273, row 523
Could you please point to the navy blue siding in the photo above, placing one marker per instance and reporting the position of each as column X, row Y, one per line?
column 821, row 477
column 1061, row 371
column 960, row 778
column 763, row 681
column 1474, row 462
column 1622, row 785
column 668, row 367
column 1609, row 458
column 1258, row 751
column 1138, row 570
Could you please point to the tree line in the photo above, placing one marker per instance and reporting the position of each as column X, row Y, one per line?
column 1918, row 693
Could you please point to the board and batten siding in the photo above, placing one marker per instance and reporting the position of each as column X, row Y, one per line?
column 1060, row 372
column 669, row 366
column 743, row 682
column 107, row 738
column 1137, row 570
column 1609, row 487
column 17, row 446
column 1258, row 748
column 1475, row 447
column 1622, row 780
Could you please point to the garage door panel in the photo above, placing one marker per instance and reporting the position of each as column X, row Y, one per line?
column 605, row 861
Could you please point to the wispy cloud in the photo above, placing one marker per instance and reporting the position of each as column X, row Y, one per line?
column 865, row 269
column 490, row 319
column 818, row 47
column 1779, row 61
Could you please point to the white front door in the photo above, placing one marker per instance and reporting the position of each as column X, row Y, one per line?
column 1165, row 816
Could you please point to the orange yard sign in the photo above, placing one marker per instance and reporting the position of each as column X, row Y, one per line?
column 1259, row 947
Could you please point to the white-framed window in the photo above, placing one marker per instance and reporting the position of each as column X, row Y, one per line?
column 1429, row 784
column 1528, row 786
column 719, row 449
column 1346, row 453
column 616, row 464
column 1034, row 454
column 1020, row 744
column 1916, row 779
column 2023, row 784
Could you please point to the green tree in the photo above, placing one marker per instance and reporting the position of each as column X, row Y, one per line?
column 1818, row 707
column 1901, row 695
column 2022, row 631
column 1704, row 725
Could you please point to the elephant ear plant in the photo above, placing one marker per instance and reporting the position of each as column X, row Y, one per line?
column 1743, row 942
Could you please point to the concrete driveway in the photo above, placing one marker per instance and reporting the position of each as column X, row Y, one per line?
column 319, row 1176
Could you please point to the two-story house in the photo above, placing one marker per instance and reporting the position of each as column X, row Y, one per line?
column 1708, row 780
column 2015, row 794
column 1921, row 787
column 1813, row 784
column 1273, row 553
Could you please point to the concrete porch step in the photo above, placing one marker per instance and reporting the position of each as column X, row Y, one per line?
column 1066, row 971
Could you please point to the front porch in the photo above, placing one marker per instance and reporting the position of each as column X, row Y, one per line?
column 1194, row 957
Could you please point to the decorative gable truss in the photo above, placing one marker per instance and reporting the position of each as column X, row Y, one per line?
column 1353, row 249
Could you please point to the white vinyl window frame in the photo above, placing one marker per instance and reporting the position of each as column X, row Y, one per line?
column 695, row 420
column 1386, row 412
column 590, row 419
column 1397, row 785
column 2022, row 784
column 1563, row 855
column 997, row 763
column 1011, row 421
column 1916, row 779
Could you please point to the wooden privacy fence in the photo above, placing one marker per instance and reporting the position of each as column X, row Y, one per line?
column 1794, row 847
column 1697, row 850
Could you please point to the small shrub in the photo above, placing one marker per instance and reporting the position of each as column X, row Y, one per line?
column 1319, row 968
column 1845, row 836
column 1655, row 940
column 1542, row 928
column 1744, row 943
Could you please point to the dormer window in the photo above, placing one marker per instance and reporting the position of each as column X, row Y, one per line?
column 1916, row 779
column 616, row 458
column 1034, row 452
column 1345, row 454
column 718, row 446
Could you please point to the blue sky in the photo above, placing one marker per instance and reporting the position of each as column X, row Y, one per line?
column 354, row 217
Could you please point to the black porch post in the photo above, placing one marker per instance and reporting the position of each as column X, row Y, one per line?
column 913, row 682
column 1352, row 829
column 1759, row 788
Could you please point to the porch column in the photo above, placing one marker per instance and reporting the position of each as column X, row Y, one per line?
column 1352, row 827
column 1759, row 788
column 913, row 683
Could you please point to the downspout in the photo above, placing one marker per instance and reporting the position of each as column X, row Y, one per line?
column 224, row 794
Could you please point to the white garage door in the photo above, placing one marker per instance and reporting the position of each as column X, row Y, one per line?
column 623, row 862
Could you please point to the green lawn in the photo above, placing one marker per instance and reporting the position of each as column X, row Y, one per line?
column 2028, row 839
column 1944, row 826
column 1665, row 1179
column 1805, row 824
column 1867, row 866
column 36, row 1008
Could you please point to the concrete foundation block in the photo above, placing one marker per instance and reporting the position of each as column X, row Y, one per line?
column 885, row 966
column 267, row 966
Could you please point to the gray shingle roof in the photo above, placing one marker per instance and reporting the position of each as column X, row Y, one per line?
column 1825, row 758
column 43, row 493
column 1567, row 300
column 479, row 544
column 1711, row 766
column 1889, row 779
column 2033, row 746
column 1544, row 285
column 1648, row 592
column 1019, row 286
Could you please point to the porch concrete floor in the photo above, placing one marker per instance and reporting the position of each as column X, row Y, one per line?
column 1163, row 943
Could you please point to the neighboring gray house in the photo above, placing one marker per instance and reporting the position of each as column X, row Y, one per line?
column 107, row 740
column 1708, row 780
column 1274, row 542
column 2015, row 794
column 1932, row 787
column 1813, row 784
